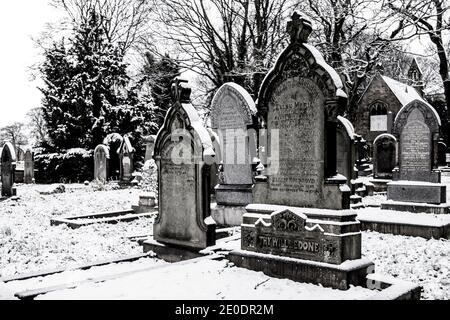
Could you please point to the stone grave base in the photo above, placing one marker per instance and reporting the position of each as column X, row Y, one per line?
column 416, row 207
column 417, row 192
column 170, row 253
column 234, row 195
column 380, row 185
column 147, row 203
column 230, row 216
column 329, row 275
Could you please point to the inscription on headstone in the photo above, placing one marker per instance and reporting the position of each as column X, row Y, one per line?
column 296, row 110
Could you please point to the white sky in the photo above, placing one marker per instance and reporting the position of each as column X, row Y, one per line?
column 19, row 21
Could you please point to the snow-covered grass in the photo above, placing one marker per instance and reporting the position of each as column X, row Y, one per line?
column 28, row 243
column 415, row 259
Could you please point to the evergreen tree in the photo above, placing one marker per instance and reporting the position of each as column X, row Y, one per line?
column 158, row 75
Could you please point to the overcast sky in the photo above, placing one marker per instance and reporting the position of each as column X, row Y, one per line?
column 19, row 21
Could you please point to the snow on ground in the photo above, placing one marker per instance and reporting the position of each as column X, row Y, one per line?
column 415, row 259
column 209, row 280
column 28, row 243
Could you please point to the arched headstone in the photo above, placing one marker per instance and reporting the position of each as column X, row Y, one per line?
column 29, row 166
column 126, row 156
column 346, row 153
column 442, row 151
column 8, row 162
column 384, row 156
column 183, row 153
column 101, row 163
column 233, row 113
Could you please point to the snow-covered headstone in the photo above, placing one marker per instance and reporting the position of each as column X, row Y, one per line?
column 101, row 163
column 384, row 156
column 8, row 162
column 28, row 173
column 183, row 153
column 346, row 149
column 126, row 160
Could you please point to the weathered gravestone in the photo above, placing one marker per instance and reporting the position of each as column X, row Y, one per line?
column 149, row 143
column 416, row 180
column 384, row 156
column 126, row 159
column 346, row 149
column 442, row 151
column 232, row 115
column 29, row 167
column 299, row 101
column 183, row 153
column 101, row 163
column 214, row 176
column 8, row 162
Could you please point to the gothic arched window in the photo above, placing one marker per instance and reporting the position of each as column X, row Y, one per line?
column 378, row 116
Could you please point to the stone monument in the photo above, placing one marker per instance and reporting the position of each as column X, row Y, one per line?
column 149, row 143
column 101, row 163
column 29, row 166
column 8, row 163
column 126, row 157
column 183, row 153
column 297, row 228
column 416, row 184
column 346, row 149
column 233, row 119
column 384, row 160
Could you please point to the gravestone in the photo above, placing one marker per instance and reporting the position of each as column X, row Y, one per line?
column 149, row 143
column 417, row 180
column 214, row 176
column 346, row 152
column 126, row 158
column 8, row 162
column 101, row 163
column 299, row 103
column 384, row 156
column 29, row 166
column 183, row 153
column 442, row 151
column 232, row 115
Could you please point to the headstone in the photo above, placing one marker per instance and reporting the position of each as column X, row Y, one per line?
column 126, row 157
column 346, row 153
column 214, row 175
column 384, row 156
column 183, row 153
column 101, row 163
column 8, row 162
column 417, row 179
column 149, row 147
column 232, row 115
column 299, row 103
column 442, row 150
column 29, row 166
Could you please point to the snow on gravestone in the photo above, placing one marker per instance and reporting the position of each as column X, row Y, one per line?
column 384, row 156
column 183, row 153
column 28, row 174
column 345, row 154
column 8, row 160
column 299, row 100
column 232, row 114
column 126, row 156
column 101, row 163
column 416, row 180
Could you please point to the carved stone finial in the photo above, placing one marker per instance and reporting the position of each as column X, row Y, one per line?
column 181, row 92
column 299, row 28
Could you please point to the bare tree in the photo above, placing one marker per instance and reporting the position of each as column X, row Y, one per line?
column 429, row 17
column 14, row 133
column 125, row 21
column 224, row 40
column 37, row 125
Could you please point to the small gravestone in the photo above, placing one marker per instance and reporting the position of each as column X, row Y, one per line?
column 126, row 160
column 149, row 143
column 417, row 180
column 29, row 167
column 442, row 151
column 233, row 113
column 299, row 102
column 101, row 163
column 214, row 176
column 384, row 156
column 346, row 153
column 8, row 163
column 183, row 153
